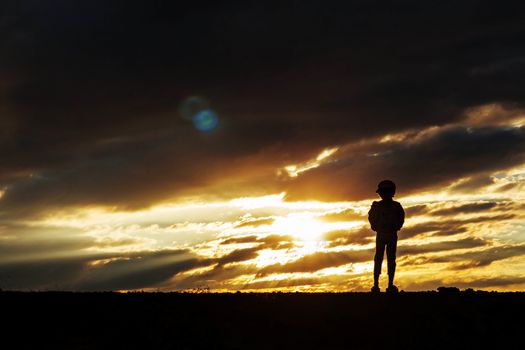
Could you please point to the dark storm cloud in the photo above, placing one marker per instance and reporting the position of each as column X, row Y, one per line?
column 461, row 261
column 92, row 90
column 238, row 255
column 318, row 261
column 415, row 210
column 362, row 235
column 276, row 242
column 465, row 208
column 442, row 228
column 121, row 271
column 133, row 176
column 37, row 246
column 430, row 162
column 55, row 274
column 29, row 243
column 138, row 270
column 445, row 209
column 508, row 187
column 503, row 207
column 466, row 243
column 217, row 277
column 473, row 183
column 451, row 226
column 244, row 254
column 62, row 262
column 483, row 257
column 243, row 239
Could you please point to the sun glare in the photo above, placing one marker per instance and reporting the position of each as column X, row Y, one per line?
column 300, row 225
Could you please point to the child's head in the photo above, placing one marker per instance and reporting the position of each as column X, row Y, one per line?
column 386, row 189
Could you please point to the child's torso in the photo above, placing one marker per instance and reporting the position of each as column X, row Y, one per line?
column 387, row 214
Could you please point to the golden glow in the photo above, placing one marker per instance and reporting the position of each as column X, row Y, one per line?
column 270, row 257
column 202, row 229
column 294, row 170
column 495, row 114
column 397, row 137
column 259, row 202
column 301, row 225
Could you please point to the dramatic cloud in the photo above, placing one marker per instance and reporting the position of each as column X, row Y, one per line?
column 318, row 261
column 345, row 215
column 97, row 121
column 238, row 255
column 362, row 235
column 465, row 208
column 268, row 242
column 97, row 271
column 451, row 226
column 137, row 270
column 411, row 250
column 447, row 155
column 168, row 144
column 256, row 222
column 484, row 257
column 415, row 210
column 473, row 183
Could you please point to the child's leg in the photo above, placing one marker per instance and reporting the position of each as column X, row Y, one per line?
column 378, row 258
column 391, row 259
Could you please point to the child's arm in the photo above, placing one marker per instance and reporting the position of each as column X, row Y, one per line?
column 372, row 216
column 401, row 217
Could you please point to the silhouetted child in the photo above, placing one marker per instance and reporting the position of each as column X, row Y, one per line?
column 386, row 218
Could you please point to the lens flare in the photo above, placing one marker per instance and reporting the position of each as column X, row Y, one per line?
column 191, row 106
column 197, row 110
column 205, row 120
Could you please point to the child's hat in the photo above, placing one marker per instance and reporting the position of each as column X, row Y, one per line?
column 386, row 185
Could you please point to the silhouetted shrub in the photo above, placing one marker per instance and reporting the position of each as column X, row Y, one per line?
column 448, row 290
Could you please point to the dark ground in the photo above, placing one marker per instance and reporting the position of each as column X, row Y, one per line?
column 426, row 320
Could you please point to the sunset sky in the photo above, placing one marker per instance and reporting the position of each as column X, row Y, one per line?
column 237, row 145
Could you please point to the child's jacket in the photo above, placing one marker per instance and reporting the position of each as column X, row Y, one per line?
column 386, row 216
